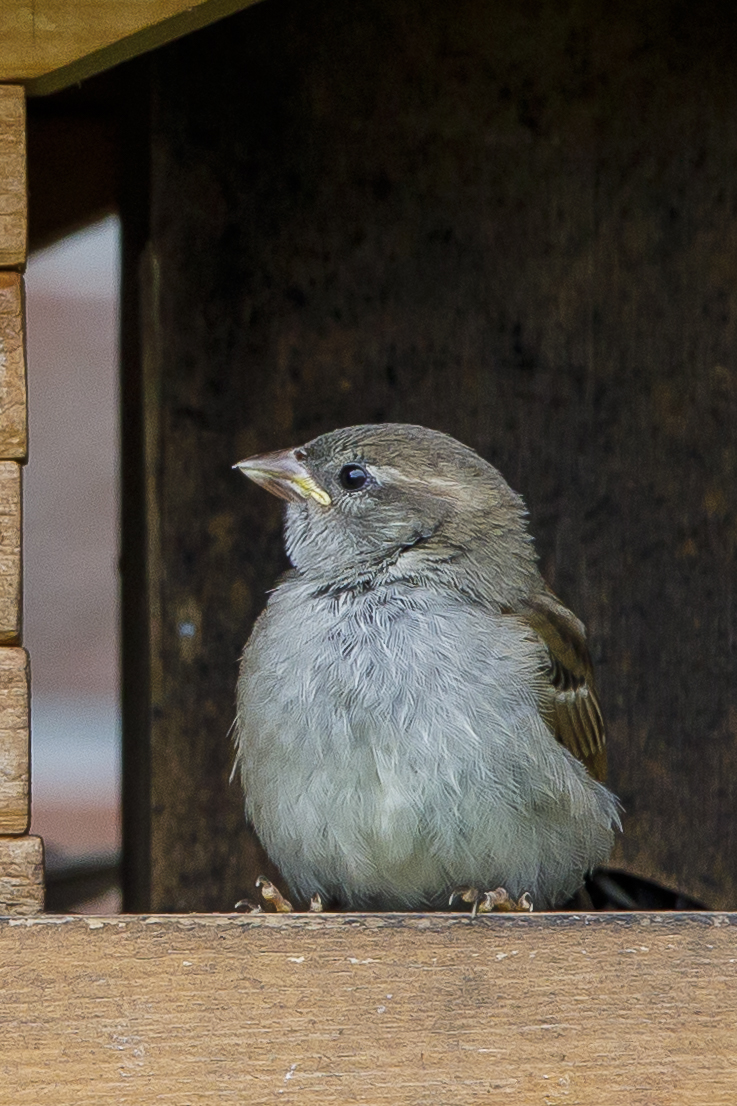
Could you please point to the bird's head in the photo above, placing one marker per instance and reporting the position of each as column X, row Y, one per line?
column 401, row 501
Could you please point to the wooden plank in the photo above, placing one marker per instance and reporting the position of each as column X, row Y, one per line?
column 13, row 401
column 392, row 1009
column 10, row 553
column 50, row 44
column 13, row 204
column 14, row 741
column 21, row 876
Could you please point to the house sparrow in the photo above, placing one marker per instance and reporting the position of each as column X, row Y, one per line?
column 416, row 709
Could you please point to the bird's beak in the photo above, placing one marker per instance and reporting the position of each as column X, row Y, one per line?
column 283, row 474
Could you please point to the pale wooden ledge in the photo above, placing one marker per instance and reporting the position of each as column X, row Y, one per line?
column 621, row 1009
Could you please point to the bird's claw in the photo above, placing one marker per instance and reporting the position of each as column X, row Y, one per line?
column 248, row 907
column 271, row 893
column 501, row 900
column 485, row 902
column 466, row 894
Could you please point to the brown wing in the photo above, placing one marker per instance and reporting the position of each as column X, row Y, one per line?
column 575, row 715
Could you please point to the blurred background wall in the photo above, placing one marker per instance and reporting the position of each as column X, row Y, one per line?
column 71, row 546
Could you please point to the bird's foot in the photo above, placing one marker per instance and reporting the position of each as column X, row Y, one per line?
column 484, row 902
column 502, row 901
column 271, row 894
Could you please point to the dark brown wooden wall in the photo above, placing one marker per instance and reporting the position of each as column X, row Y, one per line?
column 516, row 222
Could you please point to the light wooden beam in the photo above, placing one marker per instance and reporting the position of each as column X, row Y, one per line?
column 21, row 858
column 21, row 877
column 13, row 420
column 13, row 206
column 387, row 1010
column 49, row 44
column 10, row 553
column 14, row 741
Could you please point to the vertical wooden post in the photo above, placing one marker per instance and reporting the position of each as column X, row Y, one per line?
column 21, row 856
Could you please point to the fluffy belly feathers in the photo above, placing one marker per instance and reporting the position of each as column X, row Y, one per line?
column 383, row 771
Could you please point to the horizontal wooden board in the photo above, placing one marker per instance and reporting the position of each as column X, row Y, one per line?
column 13, row 206
column 13, row 402
column 14, row 741
column 10, row 552
column 21, row 876
column 377, row 1009
column 49, row 44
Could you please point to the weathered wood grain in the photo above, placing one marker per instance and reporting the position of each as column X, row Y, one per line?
column 14, row 741
column 13, row 401
column 10, row 552
column 50, row 44
column 21, row 876
column 13, row 209
column 393, row 1009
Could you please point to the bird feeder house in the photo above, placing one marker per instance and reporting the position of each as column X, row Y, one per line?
column 515, row 223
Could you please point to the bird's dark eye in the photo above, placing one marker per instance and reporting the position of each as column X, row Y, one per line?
column 353, row 477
